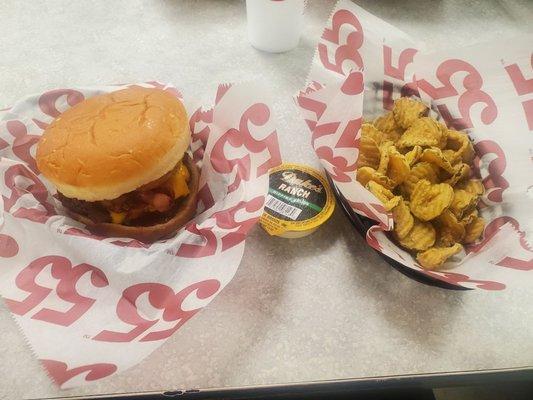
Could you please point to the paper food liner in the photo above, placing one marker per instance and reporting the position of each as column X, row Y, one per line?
column 362, row 64
column 91, row 306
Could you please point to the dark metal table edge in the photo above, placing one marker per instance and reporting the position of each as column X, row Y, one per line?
column 334, row 386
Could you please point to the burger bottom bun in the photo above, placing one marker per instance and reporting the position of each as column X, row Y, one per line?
column 151, row 233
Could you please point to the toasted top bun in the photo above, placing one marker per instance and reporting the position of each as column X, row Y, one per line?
column 112, row 144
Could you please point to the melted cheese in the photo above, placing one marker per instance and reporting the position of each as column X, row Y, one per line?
column 116, row 217
column 178, row 182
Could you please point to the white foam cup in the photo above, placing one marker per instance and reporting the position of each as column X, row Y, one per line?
column 275, row 25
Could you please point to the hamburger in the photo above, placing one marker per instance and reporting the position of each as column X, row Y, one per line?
column 119, row 163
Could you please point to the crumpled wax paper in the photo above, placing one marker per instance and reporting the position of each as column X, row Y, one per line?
column 363, row 63
column 91, row 306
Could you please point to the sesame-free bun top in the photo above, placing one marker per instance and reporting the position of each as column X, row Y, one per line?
column 114, row 143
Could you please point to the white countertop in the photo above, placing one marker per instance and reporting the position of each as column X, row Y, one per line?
column 318, row 308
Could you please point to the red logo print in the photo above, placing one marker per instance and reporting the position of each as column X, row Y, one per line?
column 373, row 241
column 469, row 95
column 515, row 263
column 353, row 84
column 35, row 189
column 67, row 277
column 409, row 89
column 316, row 107
column 200, row 135
column 163, row 298
column 494, row 183
column 207, row 248
column 224, row 220
column 48, row 100
column 523, row 87
column 228, row 221
column 345, row 52
column 340, row 165
column 458, row 279
column 258, row 115
column 372, row 211
column 60, row 373
column 205, row 197
column 8, row 246
column 3, row 144
column 221, row 91
column 23, row 143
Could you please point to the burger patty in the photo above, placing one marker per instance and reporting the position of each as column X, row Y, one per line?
column 140, row 212
column 150, row 204
column 94, row 210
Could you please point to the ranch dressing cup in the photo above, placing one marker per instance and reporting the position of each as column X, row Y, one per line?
column 299, row 200
column 275, row 25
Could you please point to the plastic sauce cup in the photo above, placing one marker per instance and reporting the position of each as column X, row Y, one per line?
column 299, row 200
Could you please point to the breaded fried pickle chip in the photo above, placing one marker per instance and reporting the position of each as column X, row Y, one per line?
column 384, row 195
column 461, row 145
column 398, row 169
column 436, row 256
column 367, row 174
column 463, row 202
column 369, row 154
column 403, row 219
column 474, row 230
column 384, row 151
column 425, row 132
column 413, row 155
column 450, row 230
column 462, row 171
column 468, row 218
column 406, row 111
column 421, row 170
column 420, row 237
column 450, row 156
column 429, row 200
column 387, row 125
column 473, row 186
column 435, row 156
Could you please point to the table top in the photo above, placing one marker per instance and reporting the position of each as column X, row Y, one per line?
column 312, row 309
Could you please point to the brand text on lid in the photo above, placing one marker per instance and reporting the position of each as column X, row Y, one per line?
column 296, row 185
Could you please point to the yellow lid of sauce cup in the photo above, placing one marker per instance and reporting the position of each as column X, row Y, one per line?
column 299, row 200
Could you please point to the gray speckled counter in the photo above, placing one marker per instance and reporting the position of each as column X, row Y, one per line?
column 323, row 307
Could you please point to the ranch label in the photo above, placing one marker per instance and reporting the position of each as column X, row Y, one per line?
column 299, row 199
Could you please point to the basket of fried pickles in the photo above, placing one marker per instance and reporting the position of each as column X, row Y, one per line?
column 422, row 173
column 375, row 103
